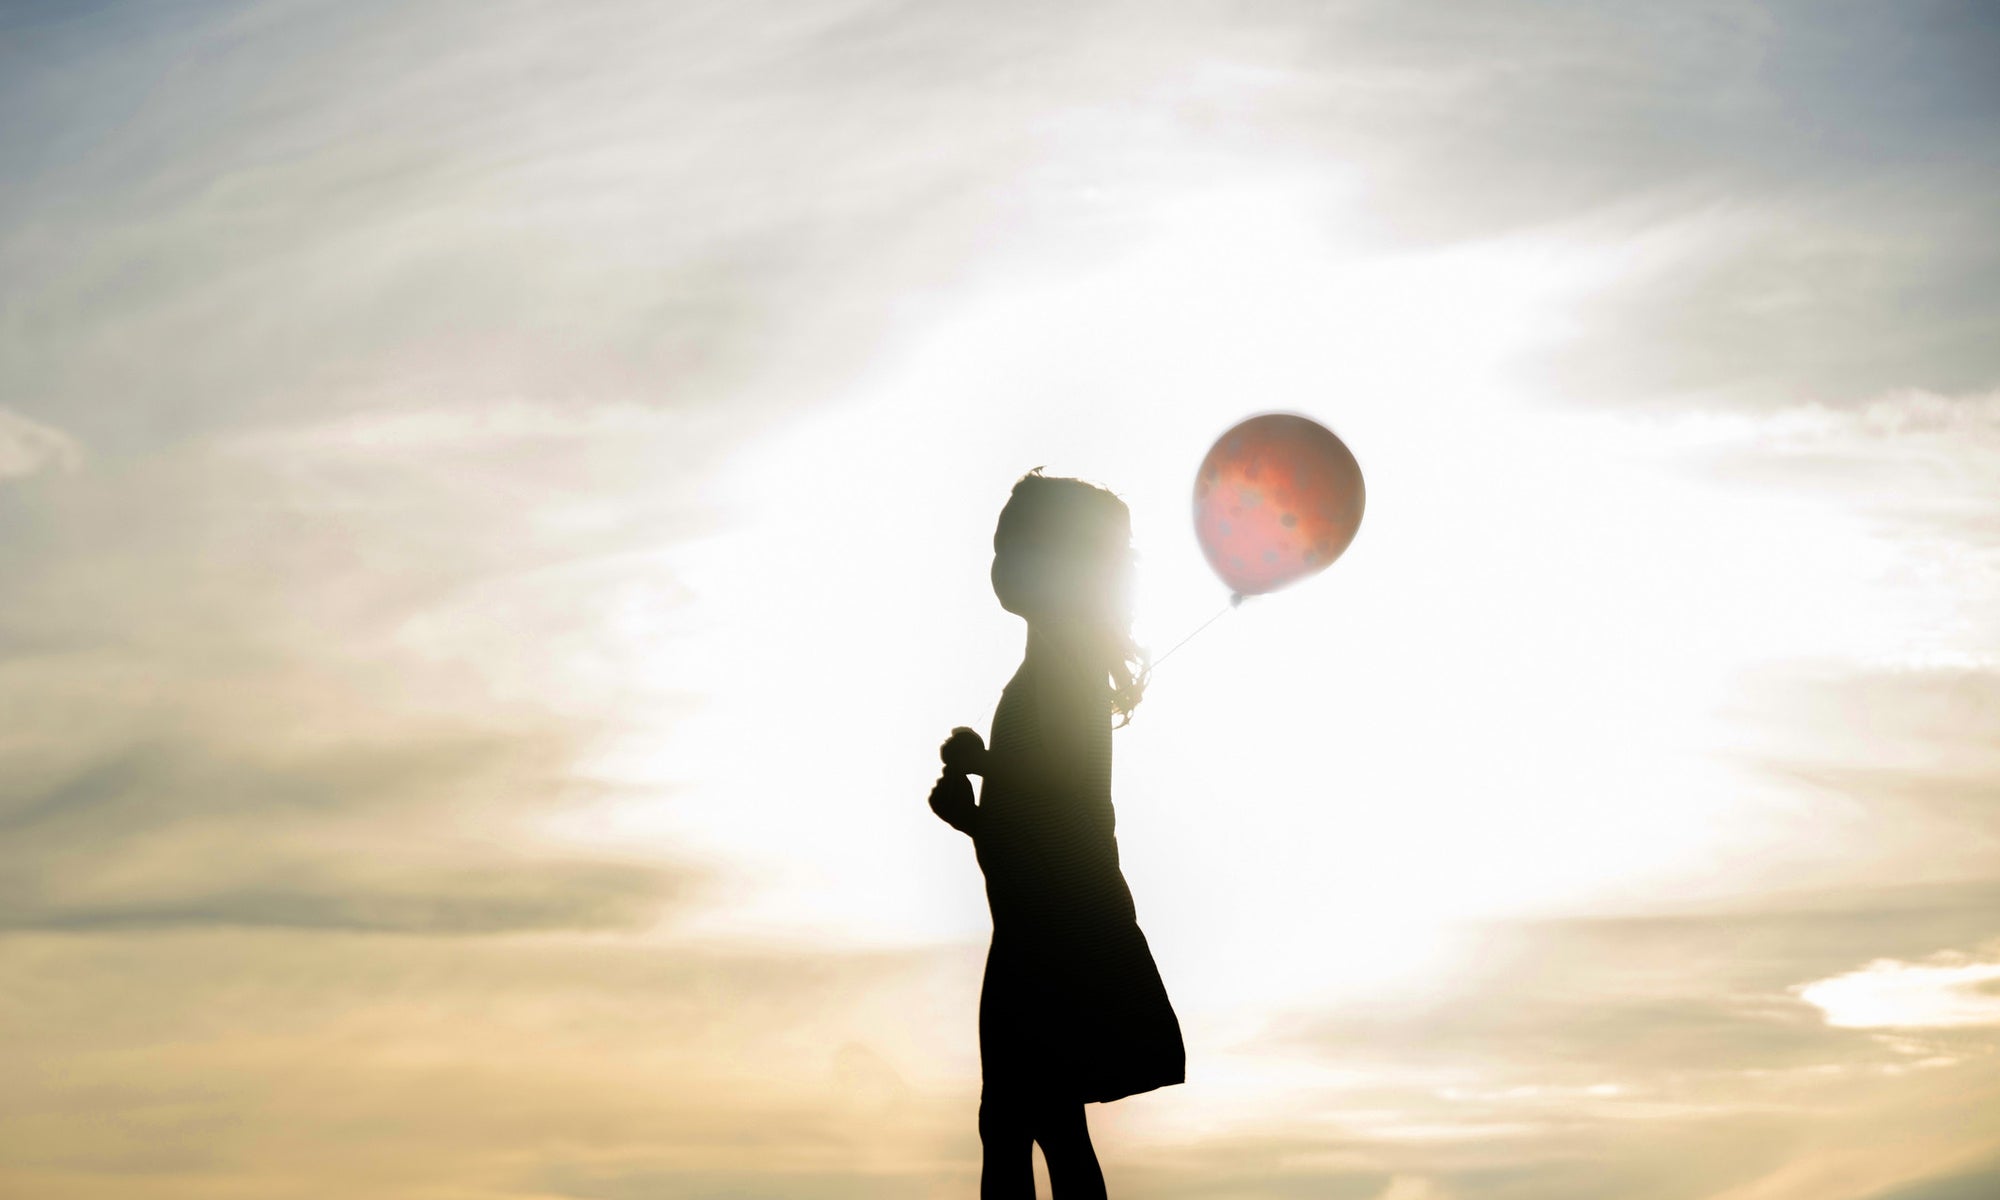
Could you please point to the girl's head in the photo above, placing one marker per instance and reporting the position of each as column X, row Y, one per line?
column 1062, row 557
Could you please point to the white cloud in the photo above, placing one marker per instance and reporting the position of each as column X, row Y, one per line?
column 1910, row 417
column 29, row 446
column 476, row 426
column 1949, row 990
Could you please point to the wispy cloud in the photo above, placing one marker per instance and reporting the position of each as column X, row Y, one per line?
column 28, row 446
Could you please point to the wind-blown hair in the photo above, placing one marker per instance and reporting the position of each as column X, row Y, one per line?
column 1082, row 536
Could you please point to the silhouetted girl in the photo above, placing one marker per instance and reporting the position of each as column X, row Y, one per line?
column 1072, row 1009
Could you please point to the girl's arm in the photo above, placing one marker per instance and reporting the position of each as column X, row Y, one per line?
column 951, row 800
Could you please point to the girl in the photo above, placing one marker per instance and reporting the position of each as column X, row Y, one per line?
column 1072, row 1009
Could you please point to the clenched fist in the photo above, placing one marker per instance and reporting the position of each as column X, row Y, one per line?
column 964, row 752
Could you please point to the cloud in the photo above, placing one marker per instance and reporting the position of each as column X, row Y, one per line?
column 28, row 446
column 1976, row 1185
column 1411, row 1187
column 484, row 1068
column 1782, row 300
column 1948, row 990
column 1666, row 1054
column 1897, row 752
column 682, row 207
column 1582, row 1002
column 1821, row 155
column 1905, row 429
column 229, row 723
column 439, row 901
column 349, row 835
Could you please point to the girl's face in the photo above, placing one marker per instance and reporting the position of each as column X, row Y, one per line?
column 1018, row 578
column 1024, row 573
column 1042, row 577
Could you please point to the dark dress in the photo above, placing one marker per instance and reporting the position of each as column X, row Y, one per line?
column 1072, row 1006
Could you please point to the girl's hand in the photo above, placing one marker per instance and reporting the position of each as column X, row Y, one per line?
column 964, row 752
column 951, row 800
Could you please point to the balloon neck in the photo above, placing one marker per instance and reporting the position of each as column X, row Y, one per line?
column 1235, row 599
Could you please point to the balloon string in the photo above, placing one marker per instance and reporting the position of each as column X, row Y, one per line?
column 1234, row 600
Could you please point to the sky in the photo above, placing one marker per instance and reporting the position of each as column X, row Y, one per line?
column 495, row 503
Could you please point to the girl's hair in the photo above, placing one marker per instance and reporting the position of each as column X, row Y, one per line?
column 1085, row 535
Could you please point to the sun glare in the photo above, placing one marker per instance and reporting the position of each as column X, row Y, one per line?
column 1502, row 700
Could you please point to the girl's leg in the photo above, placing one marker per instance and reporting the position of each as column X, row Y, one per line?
column 1007, row 1167
column 1065, row 1137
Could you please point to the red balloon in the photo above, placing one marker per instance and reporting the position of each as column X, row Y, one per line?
column 1277, row 499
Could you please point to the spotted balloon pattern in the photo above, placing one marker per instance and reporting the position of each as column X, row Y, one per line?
column 1278, row 498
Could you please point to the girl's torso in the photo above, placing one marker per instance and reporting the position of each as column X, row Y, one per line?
column 1046, row 838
